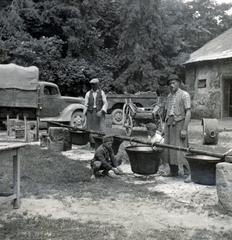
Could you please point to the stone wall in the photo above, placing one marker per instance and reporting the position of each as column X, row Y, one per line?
column 204, row 83
column 224, row 185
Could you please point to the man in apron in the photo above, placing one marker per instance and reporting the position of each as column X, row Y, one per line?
column 177, row 118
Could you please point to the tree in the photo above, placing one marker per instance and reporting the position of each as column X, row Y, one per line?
column 131, row 45
column 139, row 59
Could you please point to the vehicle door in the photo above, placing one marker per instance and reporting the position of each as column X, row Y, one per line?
column 50, row 101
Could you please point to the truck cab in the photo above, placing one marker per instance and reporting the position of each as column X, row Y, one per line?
column 57, row 108
column 50, row 101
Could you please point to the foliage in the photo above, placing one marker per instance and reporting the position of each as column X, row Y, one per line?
column 131, row 45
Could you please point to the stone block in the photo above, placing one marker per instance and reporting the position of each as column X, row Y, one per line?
column 224, row 185
column 56, row 134
column 59, row 135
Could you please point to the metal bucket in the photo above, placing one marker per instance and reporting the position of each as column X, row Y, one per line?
column 210, row 131
column 79, row 137
column 115, row 145
column 143, row 159
column 203, row 168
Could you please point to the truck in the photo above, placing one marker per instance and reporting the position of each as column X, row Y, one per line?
column 117, row 101
column 22, row 94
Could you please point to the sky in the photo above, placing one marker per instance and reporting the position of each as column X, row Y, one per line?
column 224, row 1
column 218, row 1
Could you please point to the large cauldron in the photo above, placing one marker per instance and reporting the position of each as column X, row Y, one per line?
column 116, row 142
column 203, row 168
column 79, row 137
column 143, row 159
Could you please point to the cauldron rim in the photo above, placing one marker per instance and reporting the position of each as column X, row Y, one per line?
column 78, row 131
column 202, row 157
column 132, row 148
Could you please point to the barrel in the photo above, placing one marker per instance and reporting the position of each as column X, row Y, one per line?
column 210, row 131
column 203, row 168
column 143, row 159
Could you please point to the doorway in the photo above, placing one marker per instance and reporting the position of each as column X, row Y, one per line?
column 227, row 97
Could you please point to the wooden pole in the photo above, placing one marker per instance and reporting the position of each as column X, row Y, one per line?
column 8, row 125
column 178, row 148
column 161, row 145
column 26, row 130
column 77, row 129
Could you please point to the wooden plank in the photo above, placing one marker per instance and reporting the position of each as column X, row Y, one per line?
column 16, row 179
column 25, row 129
column 11, row 146
column 8, row 198
column 8, row 125
column 18, row 98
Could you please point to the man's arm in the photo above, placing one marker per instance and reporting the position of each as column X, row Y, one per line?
column 112, row 157
column 187, row 119
column 105, row 103
column 86, row 103
column 187, row 105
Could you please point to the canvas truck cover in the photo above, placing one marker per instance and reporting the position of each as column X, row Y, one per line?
column 18, row 86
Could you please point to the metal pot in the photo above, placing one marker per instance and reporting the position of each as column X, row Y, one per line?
column 115, row 145
column 79, row 137
column 143, row 159
column 203, row 168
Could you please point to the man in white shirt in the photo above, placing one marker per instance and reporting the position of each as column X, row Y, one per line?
column 154, row 135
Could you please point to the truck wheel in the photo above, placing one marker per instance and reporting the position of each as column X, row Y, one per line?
column 117, row 116
column 77, row 119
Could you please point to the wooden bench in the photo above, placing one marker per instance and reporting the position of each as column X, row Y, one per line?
column 11, row 151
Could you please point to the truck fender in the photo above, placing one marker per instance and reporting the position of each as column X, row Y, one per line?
column 66, row 114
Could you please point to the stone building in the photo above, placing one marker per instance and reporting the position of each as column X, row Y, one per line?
column 209, row 78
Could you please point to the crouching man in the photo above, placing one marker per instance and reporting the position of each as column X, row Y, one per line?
column 104, row 162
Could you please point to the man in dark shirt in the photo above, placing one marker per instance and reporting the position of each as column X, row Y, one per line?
column 104, row 161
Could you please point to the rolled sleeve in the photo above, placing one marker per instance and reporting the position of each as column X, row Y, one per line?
column 87, row 99
column 187, row 101
column 105, row 103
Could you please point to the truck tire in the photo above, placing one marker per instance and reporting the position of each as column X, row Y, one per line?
column 117, row 116
column 77, row 119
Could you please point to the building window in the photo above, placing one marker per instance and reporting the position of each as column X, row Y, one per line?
column 201, row 83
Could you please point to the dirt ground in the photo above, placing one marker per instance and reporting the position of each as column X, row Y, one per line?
column 59, row 201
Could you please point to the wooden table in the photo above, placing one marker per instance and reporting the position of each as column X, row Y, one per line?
column 11, row 151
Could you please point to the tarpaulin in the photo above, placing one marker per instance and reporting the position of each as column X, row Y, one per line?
column 18, row 77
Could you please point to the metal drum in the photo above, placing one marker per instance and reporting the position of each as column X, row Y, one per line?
column 203, row 168
column 143, row 159
column 210, row 131
column 79, row 137
column 115, row 145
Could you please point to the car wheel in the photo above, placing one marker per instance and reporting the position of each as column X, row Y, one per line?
column 77, row 120
column 117, row 116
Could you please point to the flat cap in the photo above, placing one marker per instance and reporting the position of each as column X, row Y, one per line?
column 107, row 138
column 173, row 77
column 94, row 80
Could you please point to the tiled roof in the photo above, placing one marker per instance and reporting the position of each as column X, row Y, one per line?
column 218, row 48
